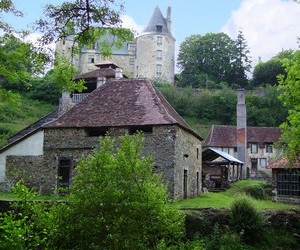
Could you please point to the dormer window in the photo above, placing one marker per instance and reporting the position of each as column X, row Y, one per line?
column 159, row 28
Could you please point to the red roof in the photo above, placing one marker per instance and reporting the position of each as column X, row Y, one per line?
column 225, row 136
column 123, row 102
column 283, row 163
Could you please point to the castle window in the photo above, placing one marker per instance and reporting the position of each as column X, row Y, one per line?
column 132, row 47
column 159, row 40
column 158, row 54
column 63, row 42
column 131, row 61
column 158, row 69
column 254, row 148
column 269, row 148
column 159, row 28
column 91, row 59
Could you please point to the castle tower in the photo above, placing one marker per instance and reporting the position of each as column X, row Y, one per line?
column 155, row 49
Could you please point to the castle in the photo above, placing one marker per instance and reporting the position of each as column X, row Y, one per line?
column 150, row 55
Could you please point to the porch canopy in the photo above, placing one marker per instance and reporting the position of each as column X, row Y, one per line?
column 210, row 154
column 229, row 167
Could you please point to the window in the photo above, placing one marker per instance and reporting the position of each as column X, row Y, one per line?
column 131, row 47
column 158, row 54
column 263, row 162
column 159, row 28
column 64, row 167
column 226, row 150
column 269, row 148
column 254, row 148
column 91, row 59
column 131, row 61
column 254, row 164
column 197, row 153
column 185, row 186
column 96, row 132
column 288, row 182
column 144, row 129
column 64, row 42
column 158, row 69
column 159, row 40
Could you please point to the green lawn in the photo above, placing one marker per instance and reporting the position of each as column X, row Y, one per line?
column 224, row 199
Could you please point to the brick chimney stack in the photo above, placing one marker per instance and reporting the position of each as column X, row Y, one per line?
column 241, row 127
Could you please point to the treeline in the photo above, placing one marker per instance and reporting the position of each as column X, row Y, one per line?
column 219, row 106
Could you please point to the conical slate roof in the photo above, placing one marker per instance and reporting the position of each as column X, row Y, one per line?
column 155, row 20
column 123, row 102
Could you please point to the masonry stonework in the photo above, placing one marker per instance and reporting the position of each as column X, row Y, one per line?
column 164, row 143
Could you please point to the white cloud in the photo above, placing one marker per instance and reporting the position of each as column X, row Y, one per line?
column 269, row 26
column 128, row 22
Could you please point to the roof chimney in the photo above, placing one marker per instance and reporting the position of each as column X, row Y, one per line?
column 241, row 127
column 119, row 73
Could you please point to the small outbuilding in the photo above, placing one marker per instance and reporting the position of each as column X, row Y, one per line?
column 219, row 168
column 286, row 180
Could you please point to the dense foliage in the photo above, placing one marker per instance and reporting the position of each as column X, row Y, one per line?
column 213, row 58
column 290, row 96
column 219, row 106
column 85, row 21
column 116, row 202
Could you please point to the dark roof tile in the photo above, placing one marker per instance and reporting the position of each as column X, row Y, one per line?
column 122, row 102
column 225, row 136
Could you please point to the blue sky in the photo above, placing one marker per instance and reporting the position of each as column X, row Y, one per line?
column 268, row 25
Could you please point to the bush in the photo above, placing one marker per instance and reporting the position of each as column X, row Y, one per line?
column 246, row 220
column 117, row 202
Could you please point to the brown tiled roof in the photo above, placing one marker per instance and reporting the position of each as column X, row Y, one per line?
column 122, row 102
column 225, row 136
column 283, row 163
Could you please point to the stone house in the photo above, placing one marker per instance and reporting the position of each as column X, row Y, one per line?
column 150, row 55
column 286, row 180
column 260, row 149
column 253, row 146
column 119, row 107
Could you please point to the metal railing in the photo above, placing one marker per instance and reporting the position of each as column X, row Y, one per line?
column 76, row 98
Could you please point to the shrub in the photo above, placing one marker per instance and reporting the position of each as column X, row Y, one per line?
column 246, row 220
column 117, row 202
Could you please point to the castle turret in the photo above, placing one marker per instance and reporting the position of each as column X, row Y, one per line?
column 155, row 49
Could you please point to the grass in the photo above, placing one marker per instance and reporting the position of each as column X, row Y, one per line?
column 14, row 118
column 11, row 197
column 224, row 199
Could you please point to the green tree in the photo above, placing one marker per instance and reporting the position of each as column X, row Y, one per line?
column 266, row 73
column 215, row 57
column 85, row 21
column 242, row 63
column 7, row 6
column 290, row 97
column 19, row 61
column 117, row 202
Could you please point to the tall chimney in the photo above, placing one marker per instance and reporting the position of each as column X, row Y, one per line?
column 168, row 19
column 241, row 128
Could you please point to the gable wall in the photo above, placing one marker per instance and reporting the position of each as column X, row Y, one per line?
column 32, row 145
column 186, row 159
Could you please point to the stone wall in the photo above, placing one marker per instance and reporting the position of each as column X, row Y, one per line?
column 147, row 61
column 172, row 148
column 188, row 156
